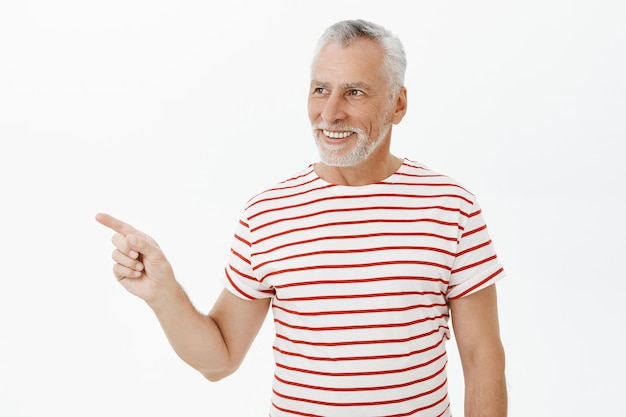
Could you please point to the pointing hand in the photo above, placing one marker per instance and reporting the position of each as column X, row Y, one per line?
column 140, row 265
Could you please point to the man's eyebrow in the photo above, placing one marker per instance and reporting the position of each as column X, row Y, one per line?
column 315, row 83
column 356, row 85
column 345, row 86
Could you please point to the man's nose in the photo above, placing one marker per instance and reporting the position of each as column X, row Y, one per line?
column 334, row 109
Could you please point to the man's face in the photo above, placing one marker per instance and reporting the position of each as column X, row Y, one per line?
column 350, row 107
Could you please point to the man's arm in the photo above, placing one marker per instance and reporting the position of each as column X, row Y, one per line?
column 214, row 344
column 476, row 328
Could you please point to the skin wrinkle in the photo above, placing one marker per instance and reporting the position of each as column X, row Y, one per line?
column 360, row 159
column 353, row 151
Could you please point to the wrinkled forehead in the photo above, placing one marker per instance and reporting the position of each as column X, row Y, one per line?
column 363, row 58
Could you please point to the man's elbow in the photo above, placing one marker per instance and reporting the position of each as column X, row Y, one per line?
column 492, row 356
column 215, row 375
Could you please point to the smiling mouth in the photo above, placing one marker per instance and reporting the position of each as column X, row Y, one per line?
column 337, row 135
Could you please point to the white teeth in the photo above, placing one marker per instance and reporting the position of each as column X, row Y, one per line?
column 337, row 135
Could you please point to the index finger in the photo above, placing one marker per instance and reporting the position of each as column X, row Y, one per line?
column 115, row 224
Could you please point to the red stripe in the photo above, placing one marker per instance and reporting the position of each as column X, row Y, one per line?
column 423, row 184
column 341, row 312
column 471, row 232
column 242, row 240
column 241, row 274
column 349, row 251
column 364, row 358
column 364, row 342
column 368, row 388
column 481, row 283
column 353, row 209
column 293, row 179
column 240, row 256
column 410, row 413
column 363, row 196
column 298, row 413
column 365, row 265
column 372, row 403
column 367, row 295
column 265, row 200
column 367, row 235
column 363, row 373
column 348, row 223
column 473, row 248
column 297, row 194
column 239, row 290
column 466, row 267
column 363, row 326
column 417, row 410
column 476, row 213
column 363, row 281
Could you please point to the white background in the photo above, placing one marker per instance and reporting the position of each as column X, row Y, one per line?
column 171, row 114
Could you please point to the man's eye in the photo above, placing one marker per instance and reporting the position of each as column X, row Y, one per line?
column 319, row 90
column 355, row 93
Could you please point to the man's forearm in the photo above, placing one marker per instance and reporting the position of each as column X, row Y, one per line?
column 485, row 389
column 195, row 337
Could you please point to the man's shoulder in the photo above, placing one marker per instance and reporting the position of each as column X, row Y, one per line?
column 298, row 181
column 419, row 172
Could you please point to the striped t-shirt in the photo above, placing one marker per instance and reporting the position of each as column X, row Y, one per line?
column 360, row 279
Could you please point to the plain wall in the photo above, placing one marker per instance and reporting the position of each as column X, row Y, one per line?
column 171, row 114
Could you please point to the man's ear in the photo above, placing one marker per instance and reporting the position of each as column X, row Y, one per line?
column 401, row 106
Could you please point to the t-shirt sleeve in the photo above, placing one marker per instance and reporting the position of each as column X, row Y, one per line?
column 476, row 265
column 239, row 277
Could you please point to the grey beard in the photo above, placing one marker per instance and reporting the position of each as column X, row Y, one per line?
column 363, row 148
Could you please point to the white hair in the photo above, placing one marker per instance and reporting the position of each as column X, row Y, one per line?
column 347, row 31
